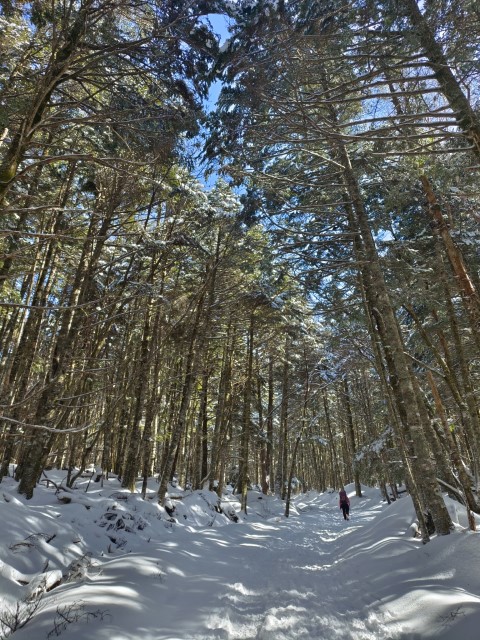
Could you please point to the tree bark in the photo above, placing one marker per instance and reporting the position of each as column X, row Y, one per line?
column 351, row 435
column 467, row 289
column 52, row 78
column 459, row 103
column 381, row 306
column 281, row 470
column 243, row 476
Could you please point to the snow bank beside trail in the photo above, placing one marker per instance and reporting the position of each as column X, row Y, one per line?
column 56, row 529
column 432, row 591
column 418, row 592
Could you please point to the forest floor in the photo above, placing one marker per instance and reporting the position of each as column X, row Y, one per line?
column 116, row 568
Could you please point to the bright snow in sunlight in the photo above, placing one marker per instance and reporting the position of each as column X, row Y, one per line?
column 117, row 568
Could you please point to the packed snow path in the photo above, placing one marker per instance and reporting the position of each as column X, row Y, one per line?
column 312, row 576
column 277, row 581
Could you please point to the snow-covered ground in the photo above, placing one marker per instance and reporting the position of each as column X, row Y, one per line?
column 118, row 569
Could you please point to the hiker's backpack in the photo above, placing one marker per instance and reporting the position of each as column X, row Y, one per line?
column 343, row 496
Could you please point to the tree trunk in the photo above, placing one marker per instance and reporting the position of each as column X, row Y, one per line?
column 133, row 446
column 467, row 289
column 351, row 435
column 191, row 372
column 281, row 470
column 381, row 306
column 338, row 479
column 243, row 476
column 60, row 62
column 221, row 422
column 465, row 479
column 290, row 475
column 459, row 103
column 269, row 420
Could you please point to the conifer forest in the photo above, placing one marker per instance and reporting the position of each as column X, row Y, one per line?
column 278, row 287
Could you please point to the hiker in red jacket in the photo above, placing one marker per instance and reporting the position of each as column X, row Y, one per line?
column 344, row 503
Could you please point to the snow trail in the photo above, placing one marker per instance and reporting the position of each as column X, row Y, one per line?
column 284, row 579
column 312, row 576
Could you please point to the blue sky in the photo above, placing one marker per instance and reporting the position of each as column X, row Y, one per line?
column 220, row 26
